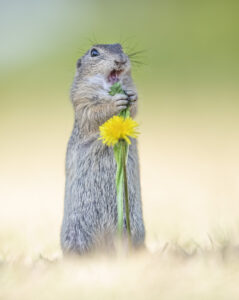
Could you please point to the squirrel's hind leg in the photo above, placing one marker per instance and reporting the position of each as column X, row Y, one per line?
column 74, row 238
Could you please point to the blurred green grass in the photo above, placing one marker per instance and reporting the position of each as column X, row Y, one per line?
column 187, row 43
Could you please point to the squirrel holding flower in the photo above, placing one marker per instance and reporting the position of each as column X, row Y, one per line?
column 90, row 206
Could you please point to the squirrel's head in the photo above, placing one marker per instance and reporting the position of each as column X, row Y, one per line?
column 108, row 60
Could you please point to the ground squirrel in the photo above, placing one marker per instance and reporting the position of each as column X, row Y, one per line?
column 90, row 207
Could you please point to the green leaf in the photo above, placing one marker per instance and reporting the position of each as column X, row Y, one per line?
column 116, row 88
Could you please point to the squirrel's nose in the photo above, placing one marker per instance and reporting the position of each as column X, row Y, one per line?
column 120, row 62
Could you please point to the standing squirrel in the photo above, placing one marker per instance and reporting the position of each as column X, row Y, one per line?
column 90, row 207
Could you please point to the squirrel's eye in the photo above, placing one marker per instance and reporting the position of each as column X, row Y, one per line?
column 94, row 52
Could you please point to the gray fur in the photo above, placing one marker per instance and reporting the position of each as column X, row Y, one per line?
column 90, row 207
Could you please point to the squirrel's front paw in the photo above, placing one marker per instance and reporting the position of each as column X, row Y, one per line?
column 121, row 102
column 132, row 96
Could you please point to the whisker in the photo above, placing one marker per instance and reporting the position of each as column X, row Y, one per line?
column 93, row 40
column 125, row 43
column 136, row 53
column 137, row 62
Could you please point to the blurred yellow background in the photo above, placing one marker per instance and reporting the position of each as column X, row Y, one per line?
column 188, row 114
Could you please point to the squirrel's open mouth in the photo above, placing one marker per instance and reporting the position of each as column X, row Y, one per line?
column 114, row 76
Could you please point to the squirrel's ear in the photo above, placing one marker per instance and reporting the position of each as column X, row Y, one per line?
column 78, row 64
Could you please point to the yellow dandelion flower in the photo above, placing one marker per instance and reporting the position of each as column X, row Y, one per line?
column 118, row 128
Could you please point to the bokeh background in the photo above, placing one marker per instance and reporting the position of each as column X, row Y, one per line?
column 188, row 84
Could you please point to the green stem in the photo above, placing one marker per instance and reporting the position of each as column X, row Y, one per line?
column 126, row 194
column 121, row 155
column 119, row 188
